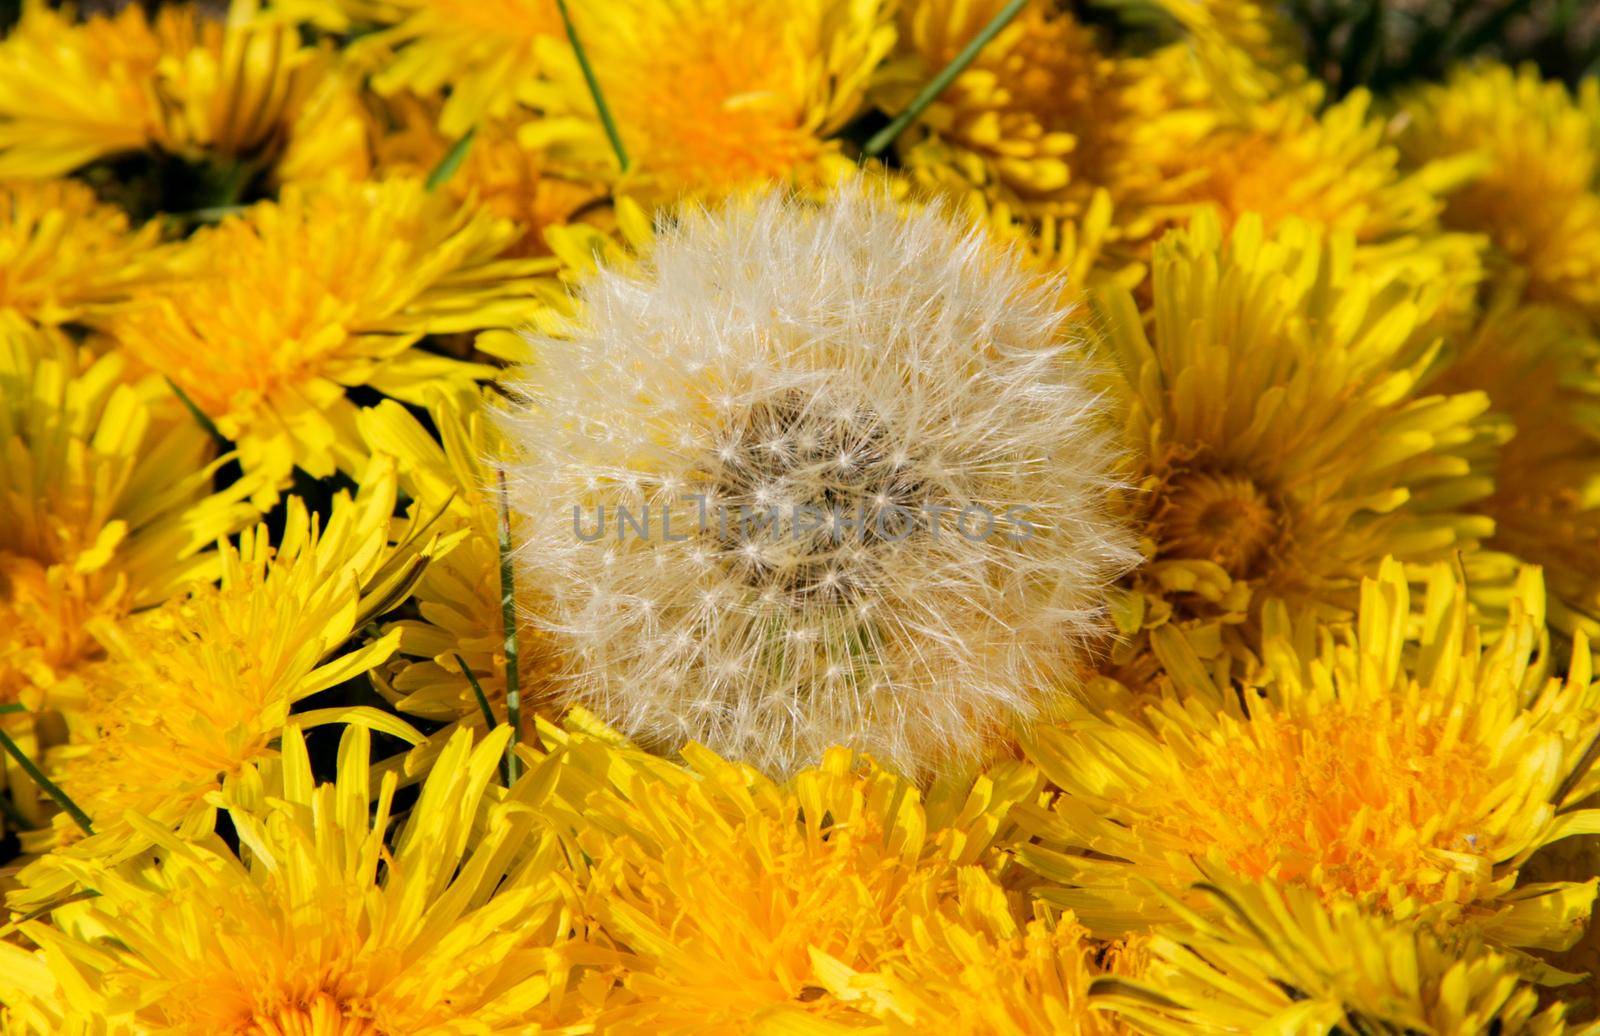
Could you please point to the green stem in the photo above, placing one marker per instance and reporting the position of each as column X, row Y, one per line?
column 594, row 87
column 883, row 138
column 34, row 915
column 508, row 620
column 452, row 160
column 62, row 799
column 208, row 215
column 234, row 177
column 200, row 416
column 483, row 704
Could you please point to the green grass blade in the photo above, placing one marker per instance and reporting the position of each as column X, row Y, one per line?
column 441, row 173
column 883, row 138
column 508, row 620
column 200, row 416
column 483, row 704
column 78, row 816
column 594, row 87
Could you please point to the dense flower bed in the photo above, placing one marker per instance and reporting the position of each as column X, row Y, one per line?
column 795, row 517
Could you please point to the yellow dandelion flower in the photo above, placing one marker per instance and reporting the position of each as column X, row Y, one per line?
column 182, row 82
column 1281, row 441
column 1248, row 53
column 756, row 89
column 617, row 237
column 329, row 135
column 1413, row 773
column 1278, row 960
column 1255, row 47
column 1537, row 147
column 1043, row 116
column 356, row 274
column 1078, row 252
column 326, row 925
column 736, row 899
column 1538, row 365
column 70, row 93
column 1334, row 167
column 967, row 965
column 484, row 54
column 514, row 181
column 1539, row 368
column 197, row 690
column 106, row 508
column 65, row 256
column 29, row 995
column 451, row 481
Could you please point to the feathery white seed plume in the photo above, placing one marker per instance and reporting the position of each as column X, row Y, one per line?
column 835, row 367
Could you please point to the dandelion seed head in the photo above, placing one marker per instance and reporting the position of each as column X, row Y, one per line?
column 851, row 368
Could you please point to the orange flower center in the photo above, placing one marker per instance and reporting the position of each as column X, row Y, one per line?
column 1351, row 800
column 44, row 611
column 1223, row 518
column 734, row 112
column 324, row 1016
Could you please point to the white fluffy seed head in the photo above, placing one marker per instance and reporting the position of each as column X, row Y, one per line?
column 812, row 394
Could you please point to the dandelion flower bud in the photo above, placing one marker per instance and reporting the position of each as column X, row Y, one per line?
column 810, row 475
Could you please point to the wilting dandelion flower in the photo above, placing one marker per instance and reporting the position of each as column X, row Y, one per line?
column 326, row 925
column 871, row 471
column 1285, row 442
column 1414, row 774
column 758, row 89
column 195, row 691
column 1276, row 959
column 65, row 256
column 1537, row 149
column 736, row 898
column 355, row 274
